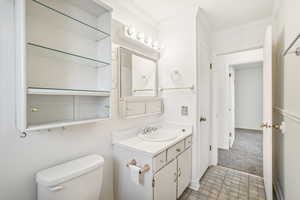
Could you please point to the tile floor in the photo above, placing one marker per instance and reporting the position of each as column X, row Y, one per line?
column 246, row 153
column 221, row 183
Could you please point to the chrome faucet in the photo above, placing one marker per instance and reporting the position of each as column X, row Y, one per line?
column 148, row 129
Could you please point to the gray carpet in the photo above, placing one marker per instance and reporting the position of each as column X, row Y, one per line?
column 246, row 154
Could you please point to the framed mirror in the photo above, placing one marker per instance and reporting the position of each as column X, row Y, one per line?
column 138, row 75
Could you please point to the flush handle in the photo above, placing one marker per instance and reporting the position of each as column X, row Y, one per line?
column 56, row 188
column 202, row 119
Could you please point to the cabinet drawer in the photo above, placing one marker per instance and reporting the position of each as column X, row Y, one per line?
column 159, row 161
column 173, row 151
column 188, row 142
column 154, row 107
column 135, row 108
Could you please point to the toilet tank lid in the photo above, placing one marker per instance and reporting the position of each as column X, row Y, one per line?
column 66, row 171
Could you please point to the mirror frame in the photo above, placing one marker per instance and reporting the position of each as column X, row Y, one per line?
column 120, row 75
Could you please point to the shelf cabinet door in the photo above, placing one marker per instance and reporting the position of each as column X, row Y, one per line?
column 165, row 182
column 184, row 162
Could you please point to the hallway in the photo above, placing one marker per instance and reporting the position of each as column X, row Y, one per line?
column 246, row 153
column 221, row 183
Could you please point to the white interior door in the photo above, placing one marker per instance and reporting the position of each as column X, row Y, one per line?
column 231, row 107
column 267, row 114
column 166, row 182
column 204, row 109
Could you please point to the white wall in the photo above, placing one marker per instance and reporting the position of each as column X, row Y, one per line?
column 248, row 96
column 22, row 158
column 286, row 100
column 239, row 38
column 179, row 36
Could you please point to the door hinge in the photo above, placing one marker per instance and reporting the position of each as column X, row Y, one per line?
column 230, row 134
column 210, row 147
column 210, row 66
column 229, row 74
column 153, row 183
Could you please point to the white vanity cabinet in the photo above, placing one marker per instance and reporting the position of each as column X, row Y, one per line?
column 184, row 171
column 169, row 174
column 170, row 182
column 63, row 63
column 165, row 182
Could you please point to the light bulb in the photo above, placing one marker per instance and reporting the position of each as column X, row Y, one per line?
column 141, row 36
column 155, row 45
column 131, row 31
column 148, row 41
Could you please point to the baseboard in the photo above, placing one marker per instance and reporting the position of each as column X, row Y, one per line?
column 278, row 191
column 195, row 185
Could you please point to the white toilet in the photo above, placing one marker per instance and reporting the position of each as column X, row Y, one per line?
column 79, row 179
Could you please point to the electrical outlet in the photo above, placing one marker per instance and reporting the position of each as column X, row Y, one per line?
column 184, row 110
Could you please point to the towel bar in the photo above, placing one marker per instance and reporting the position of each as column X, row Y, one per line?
column 142, row 170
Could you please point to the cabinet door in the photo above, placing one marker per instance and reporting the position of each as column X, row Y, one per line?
column 154, row 107
column 184, row 171
column 135, row 108
column 165, row 182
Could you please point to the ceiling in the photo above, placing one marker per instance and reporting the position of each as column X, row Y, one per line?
column 222, row 13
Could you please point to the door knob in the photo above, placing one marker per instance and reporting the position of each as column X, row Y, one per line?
column 202, row 119
column 264, row 125
column 276, row 126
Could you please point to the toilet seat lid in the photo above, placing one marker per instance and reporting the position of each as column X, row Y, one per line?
column 66, row 171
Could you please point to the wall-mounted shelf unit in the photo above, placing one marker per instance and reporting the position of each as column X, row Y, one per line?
column 63, row 63
column 55, row 91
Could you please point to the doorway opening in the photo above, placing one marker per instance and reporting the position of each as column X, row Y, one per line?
column 224, row 135
column 245, row 112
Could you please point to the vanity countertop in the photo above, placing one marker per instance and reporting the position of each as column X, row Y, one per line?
column 153, row 148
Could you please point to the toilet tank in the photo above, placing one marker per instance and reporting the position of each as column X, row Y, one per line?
column 80, row 179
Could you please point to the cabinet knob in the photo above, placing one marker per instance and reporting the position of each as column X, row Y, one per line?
column 179, row 172
column 178, row 150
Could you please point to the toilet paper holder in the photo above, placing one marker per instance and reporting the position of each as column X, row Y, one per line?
column 142, row 169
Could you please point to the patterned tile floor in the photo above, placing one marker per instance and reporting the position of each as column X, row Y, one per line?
column 246, row 153
column 221, row 183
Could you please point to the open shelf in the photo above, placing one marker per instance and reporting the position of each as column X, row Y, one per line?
column 75, row 23
column 62, row 124
column 59, row 54
column 63, row 53
column 66, row 92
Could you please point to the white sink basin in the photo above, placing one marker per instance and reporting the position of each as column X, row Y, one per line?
column 159, row 136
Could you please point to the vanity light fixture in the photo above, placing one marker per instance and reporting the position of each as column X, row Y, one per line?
column 141, row 36
column 130, row 32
